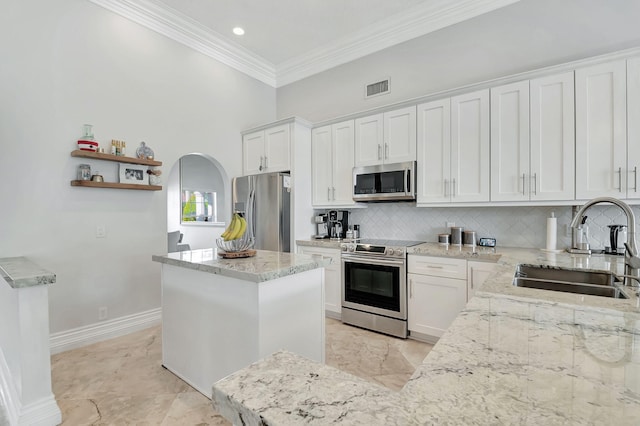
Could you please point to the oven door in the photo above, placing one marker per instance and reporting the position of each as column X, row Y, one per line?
column 374, row 285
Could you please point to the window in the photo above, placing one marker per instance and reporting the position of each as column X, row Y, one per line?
column 199, row 206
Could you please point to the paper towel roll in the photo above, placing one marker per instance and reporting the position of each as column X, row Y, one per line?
column 552, row 232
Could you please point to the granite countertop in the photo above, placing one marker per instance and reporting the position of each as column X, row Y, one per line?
column 264, row 266
column 322, row 243
column 512, row 356
column 20, row 272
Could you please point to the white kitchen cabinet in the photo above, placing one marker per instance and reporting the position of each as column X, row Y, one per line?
column 453, row 149
column 332, row 279
column 332, row 165
column 477, row 273
column 601, row 131
column 633, row 129
column 386, row 138
column 532, row 140
column 510, row 142
column 437, row 293
column 267, row 150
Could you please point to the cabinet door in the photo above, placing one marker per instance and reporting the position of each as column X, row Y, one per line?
column 477, row 273
column 321, row 165
column 510, row 142
column 400, row 135
column 276, row 143
column 253, row 153
column 332, row 278
column 342, row 187
column 369, row 140
column 552, row 138
column 470, row 147
column 601, row 130
column 633, row 141
column 433, row 303
column 434, row 152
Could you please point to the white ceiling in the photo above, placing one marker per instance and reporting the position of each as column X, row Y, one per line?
column 287, row 40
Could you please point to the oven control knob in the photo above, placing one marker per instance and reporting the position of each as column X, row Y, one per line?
column 352, row 248
column 343, row 247
column 388, row 252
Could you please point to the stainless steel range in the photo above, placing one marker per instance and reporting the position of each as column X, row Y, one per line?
column 374, row 285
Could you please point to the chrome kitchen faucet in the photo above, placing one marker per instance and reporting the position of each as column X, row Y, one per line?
column 631, row 259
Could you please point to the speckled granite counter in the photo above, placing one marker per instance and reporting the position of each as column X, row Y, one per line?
column 20, row 272
column 264, row 266
column 323, row 243
column 513, row 356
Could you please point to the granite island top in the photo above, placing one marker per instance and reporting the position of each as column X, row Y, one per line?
column 264, row 266
column 512, row 356
column 20, row 272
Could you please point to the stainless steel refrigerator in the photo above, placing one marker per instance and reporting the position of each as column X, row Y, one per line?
column 266, row 201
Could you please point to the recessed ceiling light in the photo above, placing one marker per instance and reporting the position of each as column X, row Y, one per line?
column 238, row 31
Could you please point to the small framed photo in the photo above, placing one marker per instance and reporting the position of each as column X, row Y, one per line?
column 134, row 174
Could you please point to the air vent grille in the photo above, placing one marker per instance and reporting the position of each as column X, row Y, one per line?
column 377, row 88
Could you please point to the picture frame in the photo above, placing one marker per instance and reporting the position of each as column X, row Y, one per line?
column 133, row 174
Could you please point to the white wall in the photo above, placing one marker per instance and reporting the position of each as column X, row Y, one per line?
column 527, row 35
column 70, row 62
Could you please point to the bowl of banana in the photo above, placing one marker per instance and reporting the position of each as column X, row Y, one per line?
column 235, row 238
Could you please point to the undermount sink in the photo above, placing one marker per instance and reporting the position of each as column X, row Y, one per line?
column 570, row 281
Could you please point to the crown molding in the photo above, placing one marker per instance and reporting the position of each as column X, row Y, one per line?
column 417, row 21
column 160, row 18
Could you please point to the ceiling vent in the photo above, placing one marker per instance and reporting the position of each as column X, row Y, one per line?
column 378, row 88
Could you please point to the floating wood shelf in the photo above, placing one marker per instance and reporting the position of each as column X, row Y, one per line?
column 116, row 185
column 116, row 158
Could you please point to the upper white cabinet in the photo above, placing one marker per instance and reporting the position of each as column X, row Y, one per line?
column 532, row 140
column 601, row 145
column 633, row 130
column 332, row 152
column 266, row 151
column 453, row 149
column 388, row 137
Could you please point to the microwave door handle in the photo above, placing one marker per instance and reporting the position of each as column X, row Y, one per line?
column 407, row 184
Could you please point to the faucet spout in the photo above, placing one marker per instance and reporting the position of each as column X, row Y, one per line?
column 632, row 261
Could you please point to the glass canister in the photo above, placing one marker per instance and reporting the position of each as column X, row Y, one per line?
column 84, row 172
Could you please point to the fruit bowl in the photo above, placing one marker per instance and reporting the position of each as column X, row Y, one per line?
column 233, row 246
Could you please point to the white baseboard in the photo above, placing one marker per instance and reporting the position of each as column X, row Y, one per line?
column 44, row 412
column 104, row 330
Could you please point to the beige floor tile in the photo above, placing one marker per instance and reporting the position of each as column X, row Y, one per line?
column 121, row 381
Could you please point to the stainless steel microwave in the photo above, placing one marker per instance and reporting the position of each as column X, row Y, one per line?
column 385, row 182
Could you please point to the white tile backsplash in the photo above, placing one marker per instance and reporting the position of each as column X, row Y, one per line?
column 511, row 226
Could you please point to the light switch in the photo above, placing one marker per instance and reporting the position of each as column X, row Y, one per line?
column 101, row 231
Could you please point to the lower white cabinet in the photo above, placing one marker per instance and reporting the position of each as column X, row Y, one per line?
column 332, row 279
column 434, row 298
column 477, row 273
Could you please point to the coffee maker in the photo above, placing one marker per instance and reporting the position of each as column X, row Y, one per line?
column 338, row 224
column 322, row 226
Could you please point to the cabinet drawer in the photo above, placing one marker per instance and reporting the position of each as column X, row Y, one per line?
column 437, row 266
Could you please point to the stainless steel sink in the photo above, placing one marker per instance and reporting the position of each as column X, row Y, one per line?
column 570, row 281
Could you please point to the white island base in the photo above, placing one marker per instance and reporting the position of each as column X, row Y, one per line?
column 214, row 325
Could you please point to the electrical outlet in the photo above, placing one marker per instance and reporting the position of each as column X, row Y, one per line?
column 102, row 313
column 450, row 224
column 101, row 231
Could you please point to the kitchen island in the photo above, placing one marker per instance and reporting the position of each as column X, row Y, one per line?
column 512, row 356
column 219, row 315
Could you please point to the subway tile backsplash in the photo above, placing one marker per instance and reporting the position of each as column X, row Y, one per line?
column 511, row 226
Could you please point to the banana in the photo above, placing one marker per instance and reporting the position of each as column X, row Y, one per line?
column 237, row 224
column 227, row 232
column 243, row 227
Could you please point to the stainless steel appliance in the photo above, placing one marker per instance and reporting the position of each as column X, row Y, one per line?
column 266, row 200
column 385, row 182
column 322, row 226
column 617, row 238
column 338, row 224
column 374, row 285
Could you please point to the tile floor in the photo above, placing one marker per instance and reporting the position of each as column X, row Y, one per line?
column 121, row 381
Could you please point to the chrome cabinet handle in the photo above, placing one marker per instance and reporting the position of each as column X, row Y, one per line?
column 260, row 168
column 410, row 288
column 523, row 184
column 471, row 278
column 620, row 179
column 328, row 194
column 535, row 184
column 379, row 152
column 635, row 178
column 386, row 150
column 334, row 193
column 265, row 162
column 446, row 184
column 453, row 187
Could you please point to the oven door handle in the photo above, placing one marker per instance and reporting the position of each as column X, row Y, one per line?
column 370, row 261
